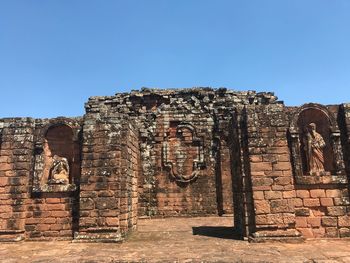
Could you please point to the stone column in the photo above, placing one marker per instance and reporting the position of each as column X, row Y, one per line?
column 107, row 189
column 271, row 175
column 15, row 167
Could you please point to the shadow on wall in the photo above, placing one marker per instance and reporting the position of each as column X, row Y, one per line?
column 225, row 232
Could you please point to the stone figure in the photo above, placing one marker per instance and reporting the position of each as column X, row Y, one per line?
column 59, row 171
column 314, row 144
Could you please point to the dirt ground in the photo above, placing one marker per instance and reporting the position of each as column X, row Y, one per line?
column 201, row 239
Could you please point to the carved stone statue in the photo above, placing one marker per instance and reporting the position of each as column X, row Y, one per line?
column 59, row 171
column 314, row 144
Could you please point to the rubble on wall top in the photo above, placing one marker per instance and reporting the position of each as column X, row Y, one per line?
column 209, row 98
column 145, row 91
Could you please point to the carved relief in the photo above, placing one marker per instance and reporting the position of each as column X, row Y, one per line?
column 183, row 152
column 59, row 170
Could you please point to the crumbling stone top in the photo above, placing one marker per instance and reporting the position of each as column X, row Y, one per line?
column 217, row 96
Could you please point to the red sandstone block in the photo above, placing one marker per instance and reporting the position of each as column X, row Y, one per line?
column 306, row 232
column 272, row 195
column 289, row 194
column 5, row 166
column 52, row 200
column 303, row 193
column 269, row 158
column 255, row 158
column 283, row 157
column 314, row 221
column 282, row 206
column 331, row 232
column 333, row 193
column 314, row 193
column 318, row 211
column 300, row 222
column 32, row 221
column 49, row 220
column 281, row 166
column 112, row 221
column 261, row 207
column 262, row 166
column 66, row 226
column 283, row 180
column 5, row 159
column 65, row 233
column 3, row 181
column 289, row 218
column 298, row 202
column 257, row 173
column 344, row 221
column 329, row 221
column 326, row 201
column 43, row 227
column 269, row 219
column 258, row 195
column 9, row 173
column 336, row 210
column 311, row 202
column 262, row 181
column 63, row 220
column 60, row 213
column 88, row 221
column 55, row 227
column 273, row 173
column 278, row 150
column 55, row 207
column 277, row 188
column 319, row 232
column 287, row 173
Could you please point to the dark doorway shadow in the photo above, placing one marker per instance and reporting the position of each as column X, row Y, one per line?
column 225, row 232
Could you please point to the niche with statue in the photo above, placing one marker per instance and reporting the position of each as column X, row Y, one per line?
column 316, row 146
column 57, row 157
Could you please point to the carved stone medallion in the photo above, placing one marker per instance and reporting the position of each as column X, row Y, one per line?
column 183, row 152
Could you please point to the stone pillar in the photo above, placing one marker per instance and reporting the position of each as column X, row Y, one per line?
column 270, row 175
column 107, row 189
column 15, row 166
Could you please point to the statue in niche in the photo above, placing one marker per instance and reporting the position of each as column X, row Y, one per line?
column 314, row 144
column 59, row 171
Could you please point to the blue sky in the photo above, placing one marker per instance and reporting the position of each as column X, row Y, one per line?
column 54, row 54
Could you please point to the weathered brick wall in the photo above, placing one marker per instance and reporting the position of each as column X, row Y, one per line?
column 15, row 169
column 52, row 209
column 50, row 216
column 28, row 211
column 175, row 153
column 270, row 173
column 322, row 211
column 208, row 110
column 109, row 178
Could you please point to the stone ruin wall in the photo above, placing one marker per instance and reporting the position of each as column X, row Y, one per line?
column 185, row 152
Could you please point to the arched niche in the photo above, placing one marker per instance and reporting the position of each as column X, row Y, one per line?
column 57, row 157
column 325, row 125
column 322, row 124
column 58, row 144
